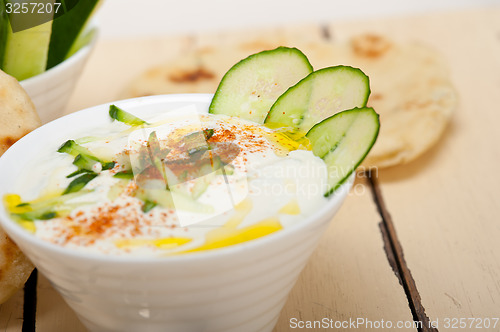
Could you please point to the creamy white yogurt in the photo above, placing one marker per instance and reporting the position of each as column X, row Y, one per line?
column 267, row 185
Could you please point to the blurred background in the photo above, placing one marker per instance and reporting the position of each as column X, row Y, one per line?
column 120, row 18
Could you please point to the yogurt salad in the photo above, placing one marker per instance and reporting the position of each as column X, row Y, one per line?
column 175, row 183
column 268, row 154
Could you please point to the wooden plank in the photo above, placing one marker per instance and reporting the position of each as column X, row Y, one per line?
column 53, row 314
column 348, row 276
column 407, row 281
column 11, row 313
column 114, row 63
column 445, row 204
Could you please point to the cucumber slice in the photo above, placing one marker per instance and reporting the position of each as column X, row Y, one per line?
column 343, row 141
column 67, row 29
column 318, row 96
column 250, row 87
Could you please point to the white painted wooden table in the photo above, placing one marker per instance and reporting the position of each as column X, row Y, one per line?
column 434, row 222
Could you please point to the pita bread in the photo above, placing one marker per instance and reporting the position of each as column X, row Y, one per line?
column 17, row 118
column 15, row 268
column 411, row 90
column 410, row 84
column 201, row 69
column 17, row 113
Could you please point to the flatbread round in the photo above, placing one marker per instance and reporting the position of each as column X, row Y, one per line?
column 17, row 112
column 17, row 118
column 186, row 74
column 410, row 85
column 410, row 89
column 15, row 268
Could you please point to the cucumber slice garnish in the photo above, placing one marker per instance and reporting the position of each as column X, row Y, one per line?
column 250, row 87
column 318, row 96
column 120, row 115
column 343, row 141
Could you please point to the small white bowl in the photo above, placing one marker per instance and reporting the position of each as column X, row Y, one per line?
column 238, row 288
column 50, row 91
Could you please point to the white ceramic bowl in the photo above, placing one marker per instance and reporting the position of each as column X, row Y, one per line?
column 50, row 91
column 239, row 288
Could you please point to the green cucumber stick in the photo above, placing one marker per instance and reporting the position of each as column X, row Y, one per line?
column 4, row 26
column 67, row 29
column 25, row 52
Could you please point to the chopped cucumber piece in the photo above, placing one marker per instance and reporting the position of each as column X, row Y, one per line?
column 44, row 209
column 120, row 115
column 343, row 141
column 173, row 200
column 74, row 149
column 42, row 214
column 154, row 150
column 78, row 172
column 4, row 31
column 85, row 162
column 67, row 30
column 83, row 157
column 108, row 165
column 148, row 206
column 201, row 184
column 250, row 87
column 318, row 96
column 127, row 174
column 80, row 182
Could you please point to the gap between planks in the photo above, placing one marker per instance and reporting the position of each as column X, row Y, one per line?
column 29, row 306
column 395, row 256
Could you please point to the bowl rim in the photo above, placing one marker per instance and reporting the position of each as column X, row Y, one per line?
column 66, row 63
column 11, row 227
